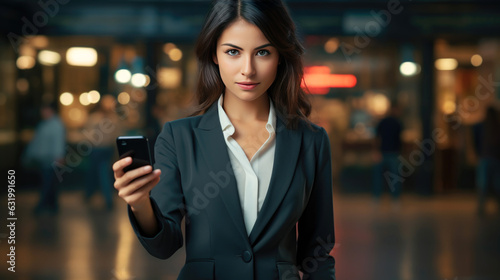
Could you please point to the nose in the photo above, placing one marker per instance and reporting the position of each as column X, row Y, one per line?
column 248, row 67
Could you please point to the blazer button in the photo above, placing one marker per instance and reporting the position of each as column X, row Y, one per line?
column 247, row 256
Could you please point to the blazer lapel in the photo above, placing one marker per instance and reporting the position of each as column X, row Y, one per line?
column 209, row 135
column 285, row 159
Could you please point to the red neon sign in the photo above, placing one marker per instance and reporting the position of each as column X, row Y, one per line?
column 319, row 80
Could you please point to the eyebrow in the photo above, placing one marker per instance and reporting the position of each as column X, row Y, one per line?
column 236, row 47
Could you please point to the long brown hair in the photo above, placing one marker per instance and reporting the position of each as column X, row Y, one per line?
column 273, row 19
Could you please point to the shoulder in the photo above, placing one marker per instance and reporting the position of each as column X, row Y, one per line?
column 311, row 132
column 178, row 132
column 308, row 127
column 184, row 123
column 315, row 141
column 182, row 128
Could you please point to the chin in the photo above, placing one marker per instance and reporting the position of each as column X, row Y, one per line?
column 249, row 96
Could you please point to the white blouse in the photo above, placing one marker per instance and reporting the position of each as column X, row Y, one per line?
column 252, row 177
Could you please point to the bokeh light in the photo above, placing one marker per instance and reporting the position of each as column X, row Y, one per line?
column 408, row 68
column 25, row 62
column 66, row 99
column 175, row 54
column 123, row 76
column 168, row 47
column 476, row 60
column 39, row 41
column 49, row 58
column 138, row 80
column 332, row 45
column 75, row 114
column 94, row 96
column 78, row 56
column 446, row 64
column 378, row 104
column 124, row 98
column 84, row 99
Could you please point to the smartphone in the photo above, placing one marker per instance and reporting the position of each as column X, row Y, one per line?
column 136, row 147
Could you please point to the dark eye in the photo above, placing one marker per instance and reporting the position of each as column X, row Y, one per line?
column 263, row 53
column 232, row 52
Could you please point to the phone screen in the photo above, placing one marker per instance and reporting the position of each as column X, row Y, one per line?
column 136, row 147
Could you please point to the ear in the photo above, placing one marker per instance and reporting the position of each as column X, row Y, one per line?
column 214, row 58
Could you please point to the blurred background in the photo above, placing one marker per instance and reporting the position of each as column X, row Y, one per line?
column 402, row 87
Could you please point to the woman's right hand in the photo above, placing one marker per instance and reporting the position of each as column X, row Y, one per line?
column 134, row 186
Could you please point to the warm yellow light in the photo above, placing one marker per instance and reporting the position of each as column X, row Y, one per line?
column 168, row 47
column 175, row 54
column 449, row 107
column 27, row 50
column 138, row 80
column 169, row 77
column 39, row 41
column 476, row 60
column 379, row 104
column 124, row 98
column 446, row 64
column 123, row 76
column 332, row 45
column 25, row 62
column 78, row 56
column 84, row 99
column 49, row 58
column 408, row 68
column 66, row 99
column 94, row 96
column 75, row 114
column 148, row 80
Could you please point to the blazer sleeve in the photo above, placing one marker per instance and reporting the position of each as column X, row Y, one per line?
column 316, row 236
column 167, row 200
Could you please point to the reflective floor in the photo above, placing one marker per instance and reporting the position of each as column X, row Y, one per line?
column 418, row 239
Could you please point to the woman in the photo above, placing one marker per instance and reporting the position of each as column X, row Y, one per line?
column 251, row 172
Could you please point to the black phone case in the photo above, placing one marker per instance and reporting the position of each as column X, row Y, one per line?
column 135, row 147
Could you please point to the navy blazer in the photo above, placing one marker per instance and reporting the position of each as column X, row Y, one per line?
column 197, row 182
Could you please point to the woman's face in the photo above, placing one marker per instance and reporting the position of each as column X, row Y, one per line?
column 247, row 61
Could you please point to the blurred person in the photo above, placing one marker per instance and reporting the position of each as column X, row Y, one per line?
column 448, row 154
column 102, row 128
column 247, row 173
column 46, row 150
column 388, row 148
column 487, row 143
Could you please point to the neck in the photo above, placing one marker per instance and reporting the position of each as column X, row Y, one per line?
column 246, row 111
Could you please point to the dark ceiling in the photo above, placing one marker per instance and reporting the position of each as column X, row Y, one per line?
column 181, row 20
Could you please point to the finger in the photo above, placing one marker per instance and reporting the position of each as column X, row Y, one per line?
column 119, row 165
column 143, row 182
column 128, row 177
column 134, row 174
column 139, row 183
column 142, row 192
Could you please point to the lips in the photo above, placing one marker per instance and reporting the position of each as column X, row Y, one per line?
column 247, row 85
